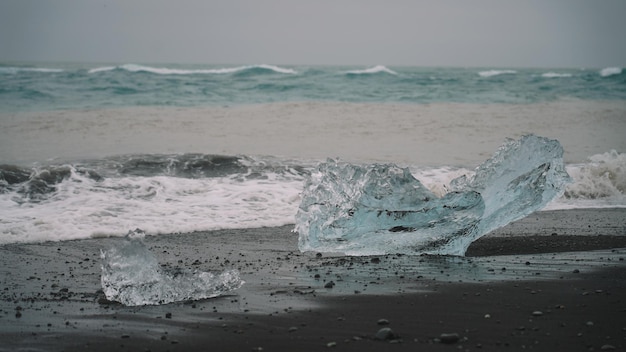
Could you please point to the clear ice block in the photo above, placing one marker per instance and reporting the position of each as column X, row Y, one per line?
column 132, row 276
column 381, row 209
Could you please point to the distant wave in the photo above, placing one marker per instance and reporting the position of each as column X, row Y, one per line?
column 13, row 70
column 175, row 71
column 610, row 71
column 102, row 69
column 492, row 73
column 555, row 75
column 371, row 70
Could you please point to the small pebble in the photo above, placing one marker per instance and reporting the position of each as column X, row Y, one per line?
column 607, row 347
column 537, row 313
column 385, row 334
column 331, row 344
column 449, row 338
column 383, row 322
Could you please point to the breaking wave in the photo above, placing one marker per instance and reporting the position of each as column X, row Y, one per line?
column 198, row 192
column 604, row 176
column 372, row 70
column 159, row 193
column 555, row 75
column 610, row 71
column 492, row 73
column 176, row 71
column 14, row 70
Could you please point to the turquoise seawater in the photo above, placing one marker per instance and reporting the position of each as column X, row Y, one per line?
column 27, row 87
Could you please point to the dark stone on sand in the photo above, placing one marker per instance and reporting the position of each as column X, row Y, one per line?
column 385, row 334
column 104, row 301
column 375, row 260
column 168, row 315
column 329, row 284
column 449, row 338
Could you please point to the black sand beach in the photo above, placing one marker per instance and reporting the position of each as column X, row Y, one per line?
column 555, row 280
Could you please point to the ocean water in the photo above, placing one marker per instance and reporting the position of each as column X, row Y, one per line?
column 56, row 86
column 97, row 150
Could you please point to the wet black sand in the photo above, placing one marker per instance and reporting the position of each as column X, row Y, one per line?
column 553, row 281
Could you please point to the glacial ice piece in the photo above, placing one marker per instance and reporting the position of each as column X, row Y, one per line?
column 380, row 209
column 132, row 276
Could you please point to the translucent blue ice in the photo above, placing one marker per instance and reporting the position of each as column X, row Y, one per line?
column 380, row 209
column 132, row 276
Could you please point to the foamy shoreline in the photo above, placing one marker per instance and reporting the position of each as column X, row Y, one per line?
column 83, row 194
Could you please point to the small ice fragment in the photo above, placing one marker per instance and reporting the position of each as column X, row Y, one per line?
column 132, row 276
column 381, row 209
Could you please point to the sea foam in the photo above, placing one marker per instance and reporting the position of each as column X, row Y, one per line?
column 604, row 176
column 82, row 206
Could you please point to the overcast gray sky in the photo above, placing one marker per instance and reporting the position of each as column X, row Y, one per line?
column 547, row 33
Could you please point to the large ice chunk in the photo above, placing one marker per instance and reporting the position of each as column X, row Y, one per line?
column 378, row 209
column 132, row 276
